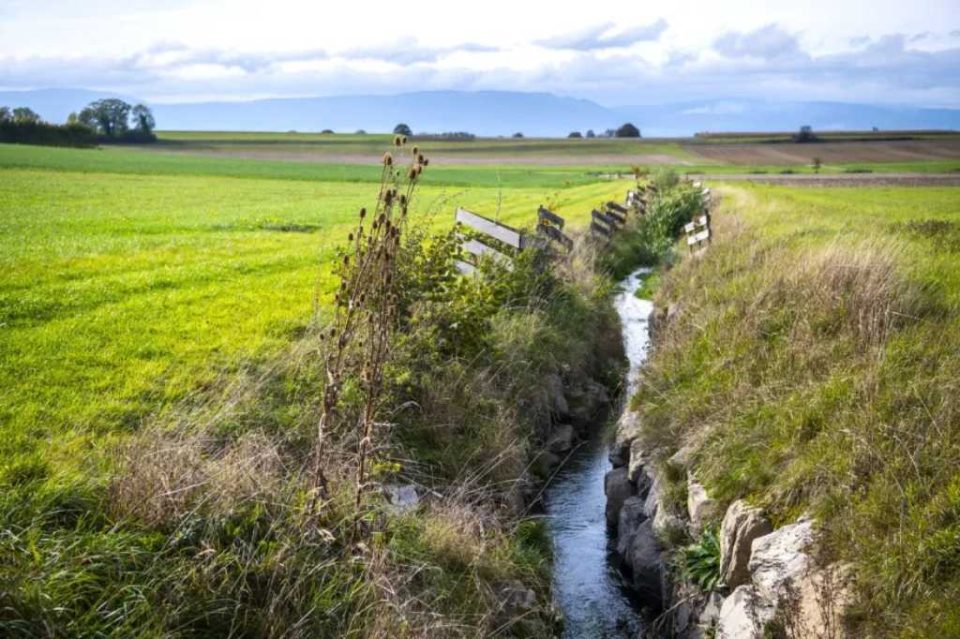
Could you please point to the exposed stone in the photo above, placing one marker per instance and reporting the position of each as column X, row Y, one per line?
column 619, row 454
column 667, row 526
column 742, row 524
column 638, row 461
column 779, row 560
column 652, row 502
column 618, row 488
column 743, row 615
column 646, row 565
column 562, row 439
column 631, row 516
column 682, row 457
column 628, row 426
column 401, row 497
column 711, row 610
column 700, row 507
column 553, row 386
column 587, row 402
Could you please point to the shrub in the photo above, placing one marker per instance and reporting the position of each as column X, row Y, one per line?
column 700, row 561
column 627, row 131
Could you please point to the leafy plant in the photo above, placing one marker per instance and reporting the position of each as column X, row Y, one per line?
column 700, row 561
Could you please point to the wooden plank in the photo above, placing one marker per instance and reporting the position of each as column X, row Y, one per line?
column 604, row 218
column 599, row 228
column 466, row 268
column 616, row 216
column 478, row 248
column 502, row 232
column 699, row 221
column 556, row 235
column 549, row 216
column 613, row 206
column 699, row 237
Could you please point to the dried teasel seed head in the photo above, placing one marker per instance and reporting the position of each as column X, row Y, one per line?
column 387, row 159
column 346, row 260
column 413, row 173
column 363, row 213
column 403, row 200
column 382, row 217
column 426, row 161
column 350, row 237
column 421, row 159
column 416, row 151
column 397, row 140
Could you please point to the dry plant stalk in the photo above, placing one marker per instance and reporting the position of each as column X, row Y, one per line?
column 358, row 340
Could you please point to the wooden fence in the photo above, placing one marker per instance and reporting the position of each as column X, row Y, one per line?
column 490, row 239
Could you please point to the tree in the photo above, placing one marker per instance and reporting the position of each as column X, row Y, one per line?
column 627, row 131
column 805, row 134
column 591, row 134
column 109, row 117
column 5, row 115
column 518, row 135
column 142, row 118
column 23, row 115
column 575, row 134
column 360, row 132
column 402, row 129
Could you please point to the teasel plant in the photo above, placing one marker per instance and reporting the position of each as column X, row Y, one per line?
column 357, row 342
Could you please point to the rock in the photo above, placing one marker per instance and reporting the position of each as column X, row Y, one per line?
column 779, row 560
column 618, row 489
column 645, row 562
column 516, row 602
column 742, row 524
column 401, row 497
column 667, row 526
column 652, row 502
column 587, row 402
column 562, row 439
column 743, row 615
column 638, row 461
column 631, row 516
column 628, row 426
column 553, row 386
column 619, row 454
column 682, row 457
column 700, row 507
column 711, row 610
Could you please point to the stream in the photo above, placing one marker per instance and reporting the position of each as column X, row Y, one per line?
column 586, row 584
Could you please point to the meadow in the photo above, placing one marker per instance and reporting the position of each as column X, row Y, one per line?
column 132, row 280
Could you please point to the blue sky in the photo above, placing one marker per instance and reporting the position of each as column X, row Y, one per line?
column 612, row 51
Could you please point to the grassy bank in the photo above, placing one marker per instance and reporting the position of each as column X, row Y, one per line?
column 811, row 365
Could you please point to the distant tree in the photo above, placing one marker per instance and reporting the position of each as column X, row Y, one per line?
column 142, row 119
column 326, row 132
column 627, row 131
column 609, row 133
column 518, row 135
column 402, row 129
column 805, row 134
column 5, row 114
column 816, row 164
column 23, row 115
column 73, row 118
column 591, row 134
column 360, row 132
column 109, row 117
column 575, row 134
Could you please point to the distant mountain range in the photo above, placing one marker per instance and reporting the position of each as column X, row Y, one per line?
column 492, row 113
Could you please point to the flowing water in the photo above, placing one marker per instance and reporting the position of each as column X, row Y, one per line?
column 586, row 584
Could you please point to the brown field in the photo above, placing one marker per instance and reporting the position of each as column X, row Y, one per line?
column 829, row 152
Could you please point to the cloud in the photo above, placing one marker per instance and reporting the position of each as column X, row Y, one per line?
column 606, row 36
column 769, row 42
column 410, row 51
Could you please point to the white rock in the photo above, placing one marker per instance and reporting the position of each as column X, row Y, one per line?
column 743, row 615
column 742, row 524
column 779, row 560
column 700, row 507
column 401, row 497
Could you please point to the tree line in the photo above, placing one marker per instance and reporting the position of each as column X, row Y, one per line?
column 103, row 121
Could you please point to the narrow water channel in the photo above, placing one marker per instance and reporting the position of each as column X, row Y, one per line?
column 587, row 586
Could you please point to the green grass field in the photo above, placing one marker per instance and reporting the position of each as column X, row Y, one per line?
column 131, row 280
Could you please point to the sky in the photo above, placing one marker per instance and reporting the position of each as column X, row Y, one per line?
column 615, row 52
